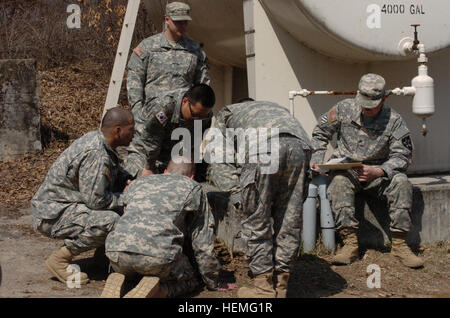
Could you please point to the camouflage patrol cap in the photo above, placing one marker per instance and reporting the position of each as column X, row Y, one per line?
column 178, row 11
column 370, row 90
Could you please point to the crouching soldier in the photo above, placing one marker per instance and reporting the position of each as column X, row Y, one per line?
column 166, row 231
column 80, row 199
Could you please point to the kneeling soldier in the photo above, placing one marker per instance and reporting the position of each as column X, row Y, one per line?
column 80, row 199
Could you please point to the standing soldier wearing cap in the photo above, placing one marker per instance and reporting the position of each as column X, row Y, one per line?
column 369, row 131
column 163, row 62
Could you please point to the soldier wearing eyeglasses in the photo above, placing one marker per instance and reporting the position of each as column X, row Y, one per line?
column 150, row 152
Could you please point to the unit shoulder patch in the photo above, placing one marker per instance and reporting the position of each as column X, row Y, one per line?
column 407, row 142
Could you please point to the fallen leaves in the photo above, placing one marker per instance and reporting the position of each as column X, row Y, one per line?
column 71, row 104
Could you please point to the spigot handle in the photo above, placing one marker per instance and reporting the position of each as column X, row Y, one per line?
column 416, row 37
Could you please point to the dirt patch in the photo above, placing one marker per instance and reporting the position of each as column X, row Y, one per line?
column 23, row 252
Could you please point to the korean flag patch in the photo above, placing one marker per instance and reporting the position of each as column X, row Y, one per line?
column 162, row 118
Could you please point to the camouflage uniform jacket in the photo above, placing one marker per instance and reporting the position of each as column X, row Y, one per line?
column 156, row 66
column 163, row 118
column 161, row 212
column 87, row 172
column 254, row 114
column 384, row 141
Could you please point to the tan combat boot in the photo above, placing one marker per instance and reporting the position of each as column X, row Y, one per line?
column 401, row 250
column 113, row 286
column 148, row 287
column 281, row 284
column 58, row 262
column 350, row 252
column 263, row 287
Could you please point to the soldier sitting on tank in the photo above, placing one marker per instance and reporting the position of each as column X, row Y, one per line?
column 166, row 219
column 80, row 199
column 264, row 190
column 371, row 132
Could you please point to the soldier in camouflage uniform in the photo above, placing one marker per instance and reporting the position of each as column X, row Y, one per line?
column 166, row 216
column 175, row 109
column 371, row 132
column 162, row 63
column 264, row 194
column 80, row 199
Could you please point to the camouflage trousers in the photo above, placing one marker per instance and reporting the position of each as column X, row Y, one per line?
column 178, row 275
column 273, row 205
column 398, row 192
column 135, row 160
column 81, row 228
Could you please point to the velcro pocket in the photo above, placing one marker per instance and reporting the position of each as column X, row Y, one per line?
column 401, row 132
column 247, row 177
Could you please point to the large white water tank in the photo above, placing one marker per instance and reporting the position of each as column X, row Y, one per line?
column 217, row 24
column 356, row 30
column 363, row 29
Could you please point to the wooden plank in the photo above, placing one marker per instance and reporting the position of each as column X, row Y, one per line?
column 123, row 48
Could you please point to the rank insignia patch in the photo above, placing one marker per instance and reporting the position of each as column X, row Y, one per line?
column 332, row 117
column 138, row 51
column 162, row 118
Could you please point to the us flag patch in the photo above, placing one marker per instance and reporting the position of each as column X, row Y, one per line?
column 107, row 174
column 332, row 117
column 138, row 51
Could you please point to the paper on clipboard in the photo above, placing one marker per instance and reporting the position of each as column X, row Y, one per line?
column 339, row 164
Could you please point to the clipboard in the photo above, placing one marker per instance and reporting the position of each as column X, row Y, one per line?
column 340, row 166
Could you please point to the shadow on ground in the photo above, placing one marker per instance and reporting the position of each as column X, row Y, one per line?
column 313, row 277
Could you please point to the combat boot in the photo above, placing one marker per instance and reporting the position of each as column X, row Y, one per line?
column 401, row 250
column 281, row 283
column 57, row 265
column 113, row 286
column 148, row 287
column 350, row 252
column 263, row 287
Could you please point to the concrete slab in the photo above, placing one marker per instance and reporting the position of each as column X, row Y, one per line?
column 430, row 215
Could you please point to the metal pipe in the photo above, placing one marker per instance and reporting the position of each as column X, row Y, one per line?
column 333, row 92
column 318, row 187
column 326, row 216
column 309, row 219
